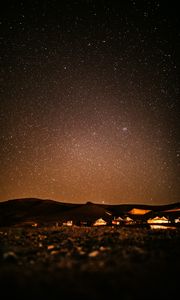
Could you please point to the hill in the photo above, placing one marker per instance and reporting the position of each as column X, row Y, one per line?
column 17, row 211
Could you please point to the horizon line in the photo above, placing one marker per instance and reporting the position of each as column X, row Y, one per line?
column 88, row 201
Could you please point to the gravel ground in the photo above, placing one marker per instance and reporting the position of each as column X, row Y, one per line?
column 89, row 263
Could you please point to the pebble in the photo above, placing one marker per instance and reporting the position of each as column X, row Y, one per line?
column 10, row 256
column 93, row 253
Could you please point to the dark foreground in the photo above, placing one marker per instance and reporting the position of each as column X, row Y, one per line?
column 89, row 263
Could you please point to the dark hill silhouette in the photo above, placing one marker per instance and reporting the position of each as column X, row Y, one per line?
column 43, row 211
column 20, row 210
column 87, row 212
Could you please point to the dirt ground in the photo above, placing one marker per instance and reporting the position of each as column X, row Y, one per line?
column 89, row 263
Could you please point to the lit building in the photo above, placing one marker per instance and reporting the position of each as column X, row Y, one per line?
column 158, row 220
column 99, row 222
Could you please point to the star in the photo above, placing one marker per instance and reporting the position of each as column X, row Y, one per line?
column 90, row 102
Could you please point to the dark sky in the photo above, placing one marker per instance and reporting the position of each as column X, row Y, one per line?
column 89, row 101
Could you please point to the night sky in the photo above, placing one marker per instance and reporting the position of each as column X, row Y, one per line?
column 89, row 101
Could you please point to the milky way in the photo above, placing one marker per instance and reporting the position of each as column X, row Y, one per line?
column 89, row 101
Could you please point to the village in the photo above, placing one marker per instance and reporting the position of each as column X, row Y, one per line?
column 136, row 217
column 38, row 213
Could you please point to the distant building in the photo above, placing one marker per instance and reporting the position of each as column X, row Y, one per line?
column 68, row 223
column 158, row 220
column 35, row 225
column 117, row 221
column 139, row 211
column 128, row 220
column 177, row 220
column 99, row 222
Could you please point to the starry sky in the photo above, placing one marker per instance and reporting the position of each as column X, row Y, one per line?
column 89, row 101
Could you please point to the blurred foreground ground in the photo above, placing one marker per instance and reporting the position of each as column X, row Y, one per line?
column 89, row 263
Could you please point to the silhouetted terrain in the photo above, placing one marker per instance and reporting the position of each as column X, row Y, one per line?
column 17, row 211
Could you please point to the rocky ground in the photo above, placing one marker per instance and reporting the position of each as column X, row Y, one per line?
column 89, row 263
